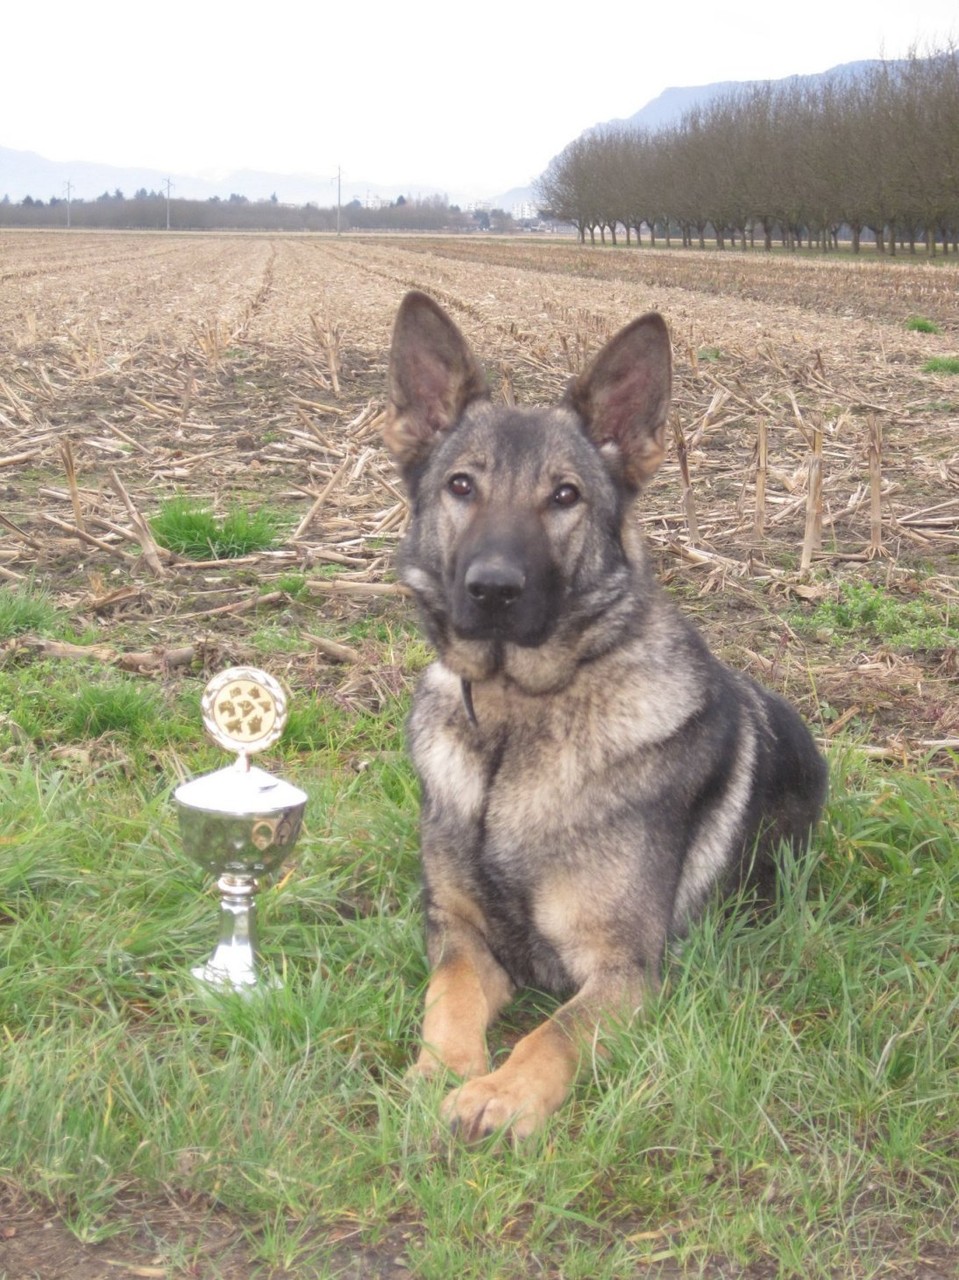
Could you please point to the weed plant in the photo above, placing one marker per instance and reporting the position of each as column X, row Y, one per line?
column 864, row 609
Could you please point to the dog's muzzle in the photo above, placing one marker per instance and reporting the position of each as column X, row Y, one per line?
column 497, row 598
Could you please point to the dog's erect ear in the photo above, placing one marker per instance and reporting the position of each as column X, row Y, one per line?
column 433, row 377
column 623, row 396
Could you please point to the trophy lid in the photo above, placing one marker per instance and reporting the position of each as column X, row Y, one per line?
column 244, row 710
column 239, row 793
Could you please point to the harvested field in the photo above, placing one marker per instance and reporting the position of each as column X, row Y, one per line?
column 251, row 369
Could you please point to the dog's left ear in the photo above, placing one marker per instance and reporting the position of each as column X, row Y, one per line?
column 623, row 396
column 433, row 377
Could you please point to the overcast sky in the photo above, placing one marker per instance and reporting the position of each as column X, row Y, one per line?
column 464, row 97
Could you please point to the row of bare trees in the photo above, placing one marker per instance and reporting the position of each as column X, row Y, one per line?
column 152, row 211
column 872, row 152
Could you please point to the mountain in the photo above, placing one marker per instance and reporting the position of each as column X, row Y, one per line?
column 672, row 104
column 24, row 173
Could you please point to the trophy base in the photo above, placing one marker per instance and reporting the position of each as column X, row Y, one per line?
column 239, row 979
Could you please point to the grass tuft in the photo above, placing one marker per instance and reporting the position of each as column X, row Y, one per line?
column 919, row 324
column 942, row 364
column 29, row 609
column 115, row 706
column 191, row 530
column 864, row 609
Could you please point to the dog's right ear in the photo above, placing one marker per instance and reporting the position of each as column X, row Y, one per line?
column 433, row 377
column 623, row 396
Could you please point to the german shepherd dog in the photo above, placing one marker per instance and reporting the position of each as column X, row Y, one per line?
column 590, row 773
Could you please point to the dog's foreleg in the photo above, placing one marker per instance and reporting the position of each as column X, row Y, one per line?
column 466, row 991
column 535, row 1079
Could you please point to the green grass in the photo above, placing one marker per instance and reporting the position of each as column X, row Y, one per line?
column 190, row 530
column 293, row 584
column 789, row 1102
column 919, row 324
column 50, row 704
column 942, row 364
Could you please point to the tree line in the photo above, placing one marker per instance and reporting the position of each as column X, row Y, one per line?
column 152, row 210
column 867, row 154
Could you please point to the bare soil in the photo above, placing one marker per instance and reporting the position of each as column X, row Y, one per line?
column 164, row 1241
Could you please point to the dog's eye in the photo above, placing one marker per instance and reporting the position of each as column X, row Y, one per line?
column 565, row 495
column 460, row 486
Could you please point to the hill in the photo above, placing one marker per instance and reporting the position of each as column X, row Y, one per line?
column 669, row 107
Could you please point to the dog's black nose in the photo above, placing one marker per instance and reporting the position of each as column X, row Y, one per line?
column 494, row 584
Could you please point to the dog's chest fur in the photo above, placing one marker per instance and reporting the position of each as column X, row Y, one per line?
column 510, row 804
column 524, row 767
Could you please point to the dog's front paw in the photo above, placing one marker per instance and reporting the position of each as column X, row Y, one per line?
column 461, row 1063
column 497, row 1102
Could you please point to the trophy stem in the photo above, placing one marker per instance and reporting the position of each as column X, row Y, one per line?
column 233, row 964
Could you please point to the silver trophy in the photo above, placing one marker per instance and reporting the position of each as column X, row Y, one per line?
column 240, row 823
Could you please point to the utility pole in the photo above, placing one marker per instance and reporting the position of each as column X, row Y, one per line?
column 339, row 175
column 69, row 189
column 168, row 184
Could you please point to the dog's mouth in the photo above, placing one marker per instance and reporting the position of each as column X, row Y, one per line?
column 524, row 633
column 546, row 667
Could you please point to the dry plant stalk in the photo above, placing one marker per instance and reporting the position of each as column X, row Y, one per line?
column 189, row 393
column 320, row 499
column 151, row 551
column 14, row 459
column 210, row 341
column 689, row 505
column 158, row 659
column 812, row 541
column 506, row 389
column 88, row 538
column 32, row 543
column 18, row 405
column 875, row 487
column 761, row 462
column 328, row 336
column 69, row 467
column 577, row 354
column 238, row 606
column 331, row 650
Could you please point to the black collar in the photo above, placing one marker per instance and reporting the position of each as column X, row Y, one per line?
column 467, row 690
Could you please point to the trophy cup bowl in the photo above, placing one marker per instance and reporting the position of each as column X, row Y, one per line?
column 239, row 823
